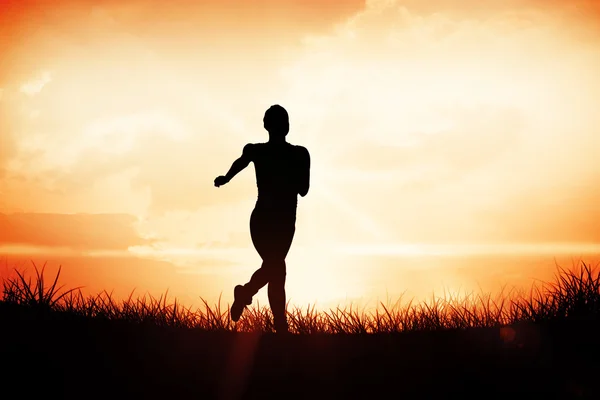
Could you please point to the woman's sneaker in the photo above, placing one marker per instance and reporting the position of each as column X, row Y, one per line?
column 240, row 301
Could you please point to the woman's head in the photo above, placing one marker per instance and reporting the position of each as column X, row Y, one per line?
column 276, row 121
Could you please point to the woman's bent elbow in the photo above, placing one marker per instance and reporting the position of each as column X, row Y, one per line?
column 303, row 192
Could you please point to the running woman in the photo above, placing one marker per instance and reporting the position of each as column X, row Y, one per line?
column 282, row 173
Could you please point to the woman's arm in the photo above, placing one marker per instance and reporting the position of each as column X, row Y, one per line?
column 304, row 183
column 237, row 166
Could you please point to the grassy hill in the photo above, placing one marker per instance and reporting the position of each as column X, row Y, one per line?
column 59, row 343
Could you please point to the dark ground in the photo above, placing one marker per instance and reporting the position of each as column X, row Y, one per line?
column 67, row 358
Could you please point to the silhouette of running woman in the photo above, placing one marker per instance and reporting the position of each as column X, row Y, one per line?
column 282, row 173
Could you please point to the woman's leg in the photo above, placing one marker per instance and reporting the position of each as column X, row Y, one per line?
column 259, row 232
column 259, row 279
column 272, row 235
column 243, row 293
column 276, row 292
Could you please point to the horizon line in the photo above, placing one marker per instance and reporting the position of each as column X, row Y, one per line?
column 387, row 249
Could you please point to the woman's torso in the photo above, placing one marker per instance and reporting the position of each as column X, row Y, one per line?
column 277, row 168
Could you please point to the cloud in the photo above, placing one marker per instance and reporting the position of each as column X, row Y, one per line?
column 389, row 78
column 478, row 137
column 8, row 146
column 36, row 85
column 432, row 121
column 568, row 214
column 427, row 104
column 71, row 148
column 76, row 231
column 479, row 9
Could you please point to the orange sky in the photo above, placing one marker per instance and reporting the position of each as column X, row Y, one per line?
column 439, row 131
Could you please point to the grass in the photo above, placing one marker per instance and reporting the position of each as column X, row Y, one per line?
column 574, row 295
column 543, row 341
